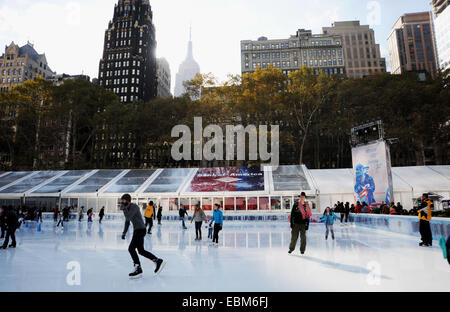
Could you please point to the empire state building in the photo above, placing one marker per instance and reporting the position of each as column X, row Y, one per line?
column 187, row 70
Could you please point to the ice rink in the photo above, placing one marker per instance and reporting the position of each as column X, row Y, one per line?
column 252, row 257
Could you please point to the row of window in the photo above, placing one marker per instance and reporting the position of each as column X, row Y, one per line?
column 13, row 80
column 11, row 64
column 121, row 81
column 287, row 64
column 124, row 72
column 292, row 44
column 283, row 55
column 123, row 43
column 14, row 72
column 119, row 56
column 125, row 90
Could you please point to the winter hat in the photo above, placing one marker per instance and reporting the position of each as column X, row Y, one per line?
column 126, row 197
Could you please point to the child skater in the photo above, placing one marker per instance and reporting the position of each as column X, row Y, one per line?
column 328, row 218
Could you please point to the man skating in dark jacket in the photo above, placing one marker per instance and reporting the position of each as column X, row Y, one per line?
column 300, row 215
column 133, row 215
column 3, row 221
column 11, row 226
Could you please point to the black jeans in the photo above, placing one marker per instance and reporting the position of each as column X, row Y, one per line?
column 159, row 220
column 61, row 221
column 217, row 229
column 346, row 217
column 39, row 219
column 149, row 222
column 100, row 220
column 137, row 242
column 342, row 217
column 3, row 231
column 198, row 229
column 10, row 232
column 425, row 232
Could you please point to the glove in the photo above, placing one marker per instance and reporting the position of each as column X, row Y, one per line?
column 123, row 236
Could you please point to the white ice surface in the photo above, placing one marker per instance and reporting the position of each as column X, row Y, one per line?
column 252, row 257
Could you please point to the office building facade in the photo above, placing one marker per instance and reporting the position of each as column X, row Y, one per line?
column 362, row 54
column 322, row 52
column 412, row 46
column 441, row 10
column 128, row 65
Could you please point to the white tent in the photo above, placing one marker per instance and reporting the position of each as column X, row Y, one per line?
column 238, row 189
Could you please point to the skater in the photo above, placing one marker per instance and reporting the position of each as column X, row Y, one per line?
column 210, row 231
column 217, row 219
column 101, row 215
column 89, row 214
column 80, row 213
column 424, row 222
column 300, row 215
column 11, row 227
column 358, row 208
column 445, row 246
column 198, row 216
column 132, row 214
column 183, row 213
column 39, row 215
column 347, row 211
column 328, row 218
column 159, row 215
column 61, row 220
column 342, row 211
column 55, row 213
column 3, row 221
column 149, row 217
column 66, row 214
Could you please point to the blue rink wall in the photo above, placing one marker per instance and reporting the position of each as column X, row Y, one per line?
column 399, row 224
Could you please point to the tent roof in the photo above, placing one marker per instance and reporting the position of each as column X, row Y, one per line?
column 231, row 181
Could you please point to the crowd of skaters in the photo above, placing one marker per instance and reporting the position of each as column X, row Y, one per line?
column 11, row 219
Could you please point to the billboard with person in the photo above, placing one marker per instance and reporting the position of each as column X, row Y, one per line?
column 372, row 174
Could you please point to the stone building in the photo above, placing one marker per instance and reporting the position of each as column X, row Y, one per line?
column 19, row 64
column 361, row 53
column 322, row 52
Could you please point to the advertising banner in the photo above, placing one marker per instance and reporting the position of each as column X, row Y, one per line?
column 231, row 179
column 372, row 174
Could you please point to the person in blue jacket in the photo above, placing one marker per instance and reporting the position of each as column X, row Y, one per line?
column 328, row 218
column 217, row 219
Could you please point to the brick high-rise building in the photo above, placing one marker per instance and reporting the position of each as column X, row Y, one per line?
column 128, row 65
column 361, row 53
column 412, row 44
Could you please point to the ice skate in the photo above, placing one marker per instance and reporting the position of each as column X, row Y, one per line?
column 12, row 246
column 137, row 272
column 160, row 264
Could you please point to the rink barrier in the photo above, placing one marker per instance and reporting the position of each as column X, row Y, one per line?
column 440, row 227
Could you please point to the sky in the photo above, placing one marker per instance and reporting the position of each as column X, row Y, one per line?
column 71, row 32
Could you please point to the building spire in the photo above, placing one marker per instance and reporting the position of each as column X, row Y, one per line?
column 190, row 54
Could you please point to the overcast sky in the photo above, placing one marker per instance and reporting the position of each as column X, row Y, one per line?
column 70, row 33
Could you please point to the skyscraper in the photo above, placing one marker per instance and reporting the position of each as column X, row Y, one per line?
column 128, row 65
column 361, row 53
column 412, row 44
column 164, row 78
column 442, row 25
column 187, row 70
